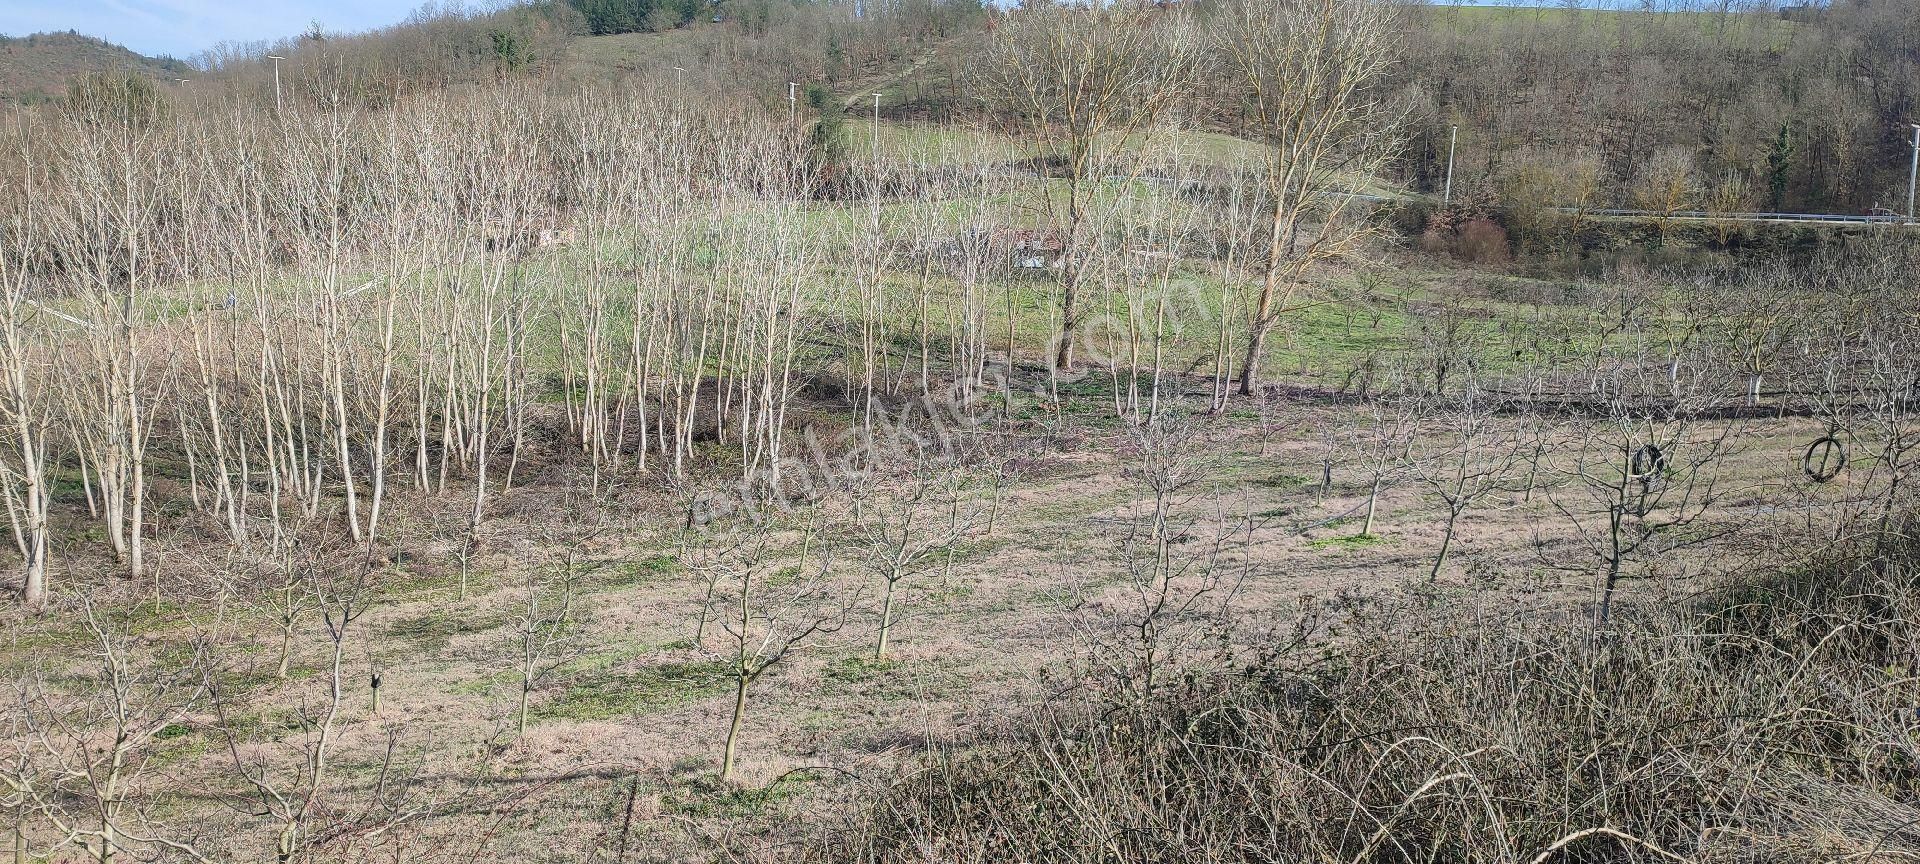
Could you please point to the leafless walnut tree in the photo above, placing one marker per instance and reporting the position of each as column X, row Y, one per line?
column 1640, row 480
column 1082, row 85
column 292, row 785
column 767, row 610
column 1469, row 452
column 903, row 529
column 548, row 629
column 1176, row 550
column 78, row 766
column 1382, row 444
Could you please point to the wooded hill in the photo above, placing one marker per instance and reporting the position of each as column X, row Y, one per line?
column 37, row 68
column 1753, row 108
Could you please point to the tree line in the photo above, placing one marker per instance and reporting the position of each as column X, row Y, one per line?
column 1745, row 107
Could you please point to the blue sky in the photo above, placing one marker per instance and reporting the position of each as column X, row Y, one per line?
column 183, row 28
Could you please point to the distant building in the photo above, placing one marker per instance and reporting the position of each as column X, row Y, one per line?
column 1031, row 249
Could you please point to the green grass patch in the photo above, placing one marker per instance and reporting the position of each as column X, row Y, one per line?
column 782, row 577
column 1286, row 480
column 406, row 580
column 176, row 743
column 713, row 800
column 269, row 725
column 950, row 593
column 612, row 695
column 1350, row 541
column 961, row 551
column 485, row 684
column 628, row 574
column 433, row 630
column 856, row 669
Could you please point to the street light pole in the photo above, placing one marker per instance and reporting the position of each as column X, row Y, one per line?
column 276, row 80
column 1913, row 171
column 1446, row 198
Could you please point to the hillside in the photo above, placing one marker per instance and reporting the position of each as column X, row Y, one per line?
column 37, row 68
column 482, row 440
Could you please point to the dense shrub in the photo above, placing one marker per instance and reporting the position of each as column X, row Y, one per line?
column 1467, row 234
column 1482, row 241
column 1775, row 722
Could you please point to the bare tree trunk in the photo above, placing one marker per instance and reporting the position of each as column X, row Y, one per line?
column 886, row 617
column 732, row 747
column 1373, row 501
column 1446, row 544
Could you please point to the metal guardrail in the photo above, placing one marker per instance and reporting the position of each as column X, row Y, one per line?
column 1841, row 218
column 1613, row 212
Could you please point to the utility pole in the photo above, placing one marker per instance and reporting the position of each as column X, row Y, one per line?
column 276, row 80
column 1913, row 170
column 1446, row 198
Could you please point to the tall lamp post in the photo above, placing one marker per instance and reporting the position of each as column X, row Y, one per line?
column 1913, row 170
column 276, row 80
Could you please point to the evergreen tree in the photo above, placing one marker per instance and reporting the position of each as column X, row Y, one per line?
column 1779, row 166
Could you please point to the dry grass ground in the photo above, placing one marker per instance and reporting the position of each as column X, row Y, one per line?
column 634, row 720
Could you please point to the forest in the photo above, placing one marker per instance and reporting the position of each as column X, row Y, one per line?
column 814, row 432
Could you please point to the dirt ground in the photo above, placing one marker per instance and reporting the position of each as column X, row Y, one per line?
column 625, row 738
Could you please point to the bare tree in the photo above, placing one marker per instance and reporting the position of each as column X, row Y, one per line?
column 1081, row 85
column 25, row 403
column 1173, row 598
column 771, row 611
column 547, row 631
column 1642, row 478
column 1752, row 322
column 104, row 223
column 291, row 597
column 293, row 795
column 1724, row 202
column 1469, row 454
column 1307, row 71
column 1869, row 387
column 1383, row 443
column 906, row 529
column 83, row 759
column 1669, row 184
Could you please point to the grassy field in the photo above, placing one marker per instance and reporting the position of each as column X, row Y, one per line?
column 737, row 499
column 632, row 719
column 639, row 707
column 1074, row 496
column 1504, row 14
